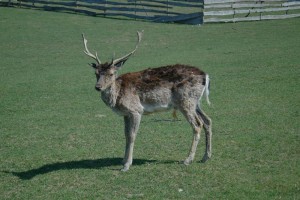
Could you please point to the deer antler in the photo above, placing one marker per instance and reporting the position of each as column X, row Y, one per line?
column 87, row 52
column 122, row 60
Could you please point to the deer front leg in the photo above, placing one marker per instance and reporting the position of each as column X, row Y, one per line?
column 126, row 131
column 132, row 123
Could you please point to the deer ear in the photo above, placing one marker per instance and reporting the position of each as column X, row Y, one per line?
column 120, row 63
column 93, row 65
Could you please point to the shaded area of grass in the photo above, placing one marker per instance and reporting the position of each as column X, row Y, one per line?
column 82, row 164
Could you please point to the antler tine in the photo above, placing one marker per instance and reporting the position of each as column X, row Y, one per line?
column 87, row 52
column 139, row 34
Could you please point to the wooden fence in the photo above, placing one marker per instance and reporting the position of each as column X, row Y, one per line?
column 184, row 11
column 249, row 10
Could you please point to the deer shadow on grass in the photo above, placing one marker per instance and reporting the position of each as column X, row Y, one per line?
column 70, row 165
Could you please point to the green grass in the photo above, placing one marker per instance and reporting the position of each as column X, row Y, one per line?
column 59, row 141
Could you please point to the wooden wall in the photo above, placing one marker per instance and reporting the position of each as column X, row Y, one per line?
column 249, row 10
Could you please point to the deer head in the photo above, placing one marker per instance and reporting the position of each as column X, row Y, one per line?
column 106, row 72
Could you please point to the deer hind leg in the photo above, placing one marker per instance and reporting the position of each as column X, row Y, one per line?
column 132, row 123
column 196, row 124
column 174, row 115
column 207, row 122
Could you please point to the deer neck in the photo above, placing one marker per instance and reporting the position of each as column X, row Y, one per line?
column 110, row 94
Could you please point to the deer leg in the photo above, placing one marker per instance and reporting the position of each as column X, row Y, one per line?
column 208, row 132
column 132, row 123
column 127, row 125
column 196, row 124
column 174, row 115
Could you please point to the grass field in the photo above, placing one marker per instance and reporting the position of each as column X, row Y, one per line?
column 59, row 141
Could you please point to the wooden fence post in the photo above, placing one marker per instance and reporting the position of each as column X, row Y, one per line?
column 135, row 16
column 105, row 8
column 167, row 7
column 260, row 13
column 232, row 7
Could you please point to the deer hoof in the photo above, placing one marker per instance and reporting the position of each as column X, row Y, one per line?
column 205, row 158
column 187, row 162
column 125, row 168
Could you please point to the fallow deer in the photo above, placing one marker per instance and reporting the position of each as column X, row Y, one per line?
column 131, row 95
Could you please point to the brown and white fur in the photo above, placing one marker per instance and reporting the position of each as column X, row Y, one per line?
column 131, row 95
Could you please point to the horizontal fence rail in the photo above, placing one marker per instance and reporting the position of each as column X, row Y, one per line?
column 249, row 10
column 184, row 11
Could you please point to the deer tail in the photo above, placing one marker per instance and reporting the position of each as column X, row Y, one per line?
column 206, row 90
